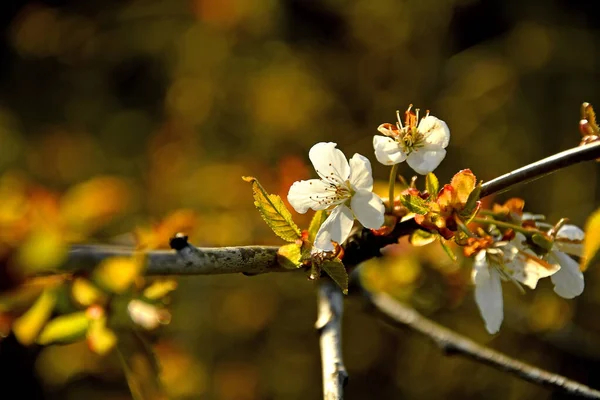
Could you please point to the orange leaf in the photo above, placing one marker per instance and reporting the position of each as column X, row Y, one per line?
column 463, row 183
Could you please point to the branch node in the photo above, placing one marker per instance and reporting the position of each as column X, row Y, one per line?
column 179, row 241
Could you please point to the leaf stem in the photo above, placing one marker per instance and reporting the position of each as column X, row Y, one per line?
column 501, row 224
column 393, row 175
column 463, row 227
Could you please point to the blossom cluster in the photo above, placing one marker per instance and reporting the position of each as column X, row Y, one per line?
column 345, row 188
column 506, row 245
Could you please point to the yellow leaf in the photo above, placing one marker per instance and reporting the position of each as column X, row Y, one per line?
column 28, row 326
column 65, row 329
column 432, row 184
column 100, row 339
column 591, row 244
column 289, row 256
column 420, row 237
column 85, row 293
column 463, row 184
column 43, row 250
column 274, row 212
column 159, row 289
column 117, row 274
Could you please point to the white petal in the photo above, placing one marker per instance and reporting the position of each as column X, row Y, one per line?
column 568, row 281
column 336, row 227
column 569, row 239
column 435, row 131
column 528, row 270
column 488, row 293
column 361, row 174
column 330, row 163
column 368, row 208
column 387, row 150
column 308, row 194
column 425, row 160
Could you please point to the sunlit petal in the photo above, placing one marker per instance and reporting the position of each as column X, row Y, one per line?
column 336, row 227
column 329, row 162
column 435, row 131
column 568, row 281
column 368, row 208
column 361, row 174
column 569, row 239
column 528, row 269
column 387, row 151
column 488, row 293
column 308, row 194
column 425, row 160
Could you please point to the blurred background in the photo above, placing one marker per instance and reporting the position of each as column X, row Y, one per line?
column 178, row 99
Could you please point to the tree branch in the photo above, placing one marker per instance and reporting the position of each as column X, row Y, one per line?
column 329, row 325
column 542, row 168
column 187, row 260
column 452, row 343
column 361, row 245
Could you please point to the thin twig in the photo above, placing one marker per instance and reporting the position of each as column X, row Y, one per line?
column 329, row 325
column 188, row 260
column 541, row 168
column 452, row 343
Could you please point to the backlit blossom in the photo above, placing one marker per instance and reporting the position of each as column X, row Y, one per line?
column 568, row 281
column 505, row 261
column 345, row 188
column 421, row 143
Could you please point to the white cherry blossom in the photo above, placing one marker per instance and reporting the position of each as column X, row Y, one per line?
column 505, row 261
column 345, row 188
column 568, row 281
column 422, row 144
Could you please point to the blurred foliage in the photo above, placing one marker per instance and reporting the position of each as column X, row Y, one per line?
column 145, row 114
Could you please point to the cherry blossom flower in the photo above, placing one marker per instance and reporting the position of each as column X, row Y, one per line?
column 568, row 281
column 505, row 261
column 344, row 188
column 422, row 144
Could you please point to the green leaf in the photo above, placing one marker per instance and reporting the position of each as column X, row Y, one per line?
column 274, row 212
column 141, row 367
column 472, row 204
column 315, row 223
column 432, row 184
column 414, row 204
column 336, row 271
column 542, row 241
column 289, row 256
column 421, row 237
column 29, row 325
column 65, row 329
column 448, row 250
column 591, row 244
